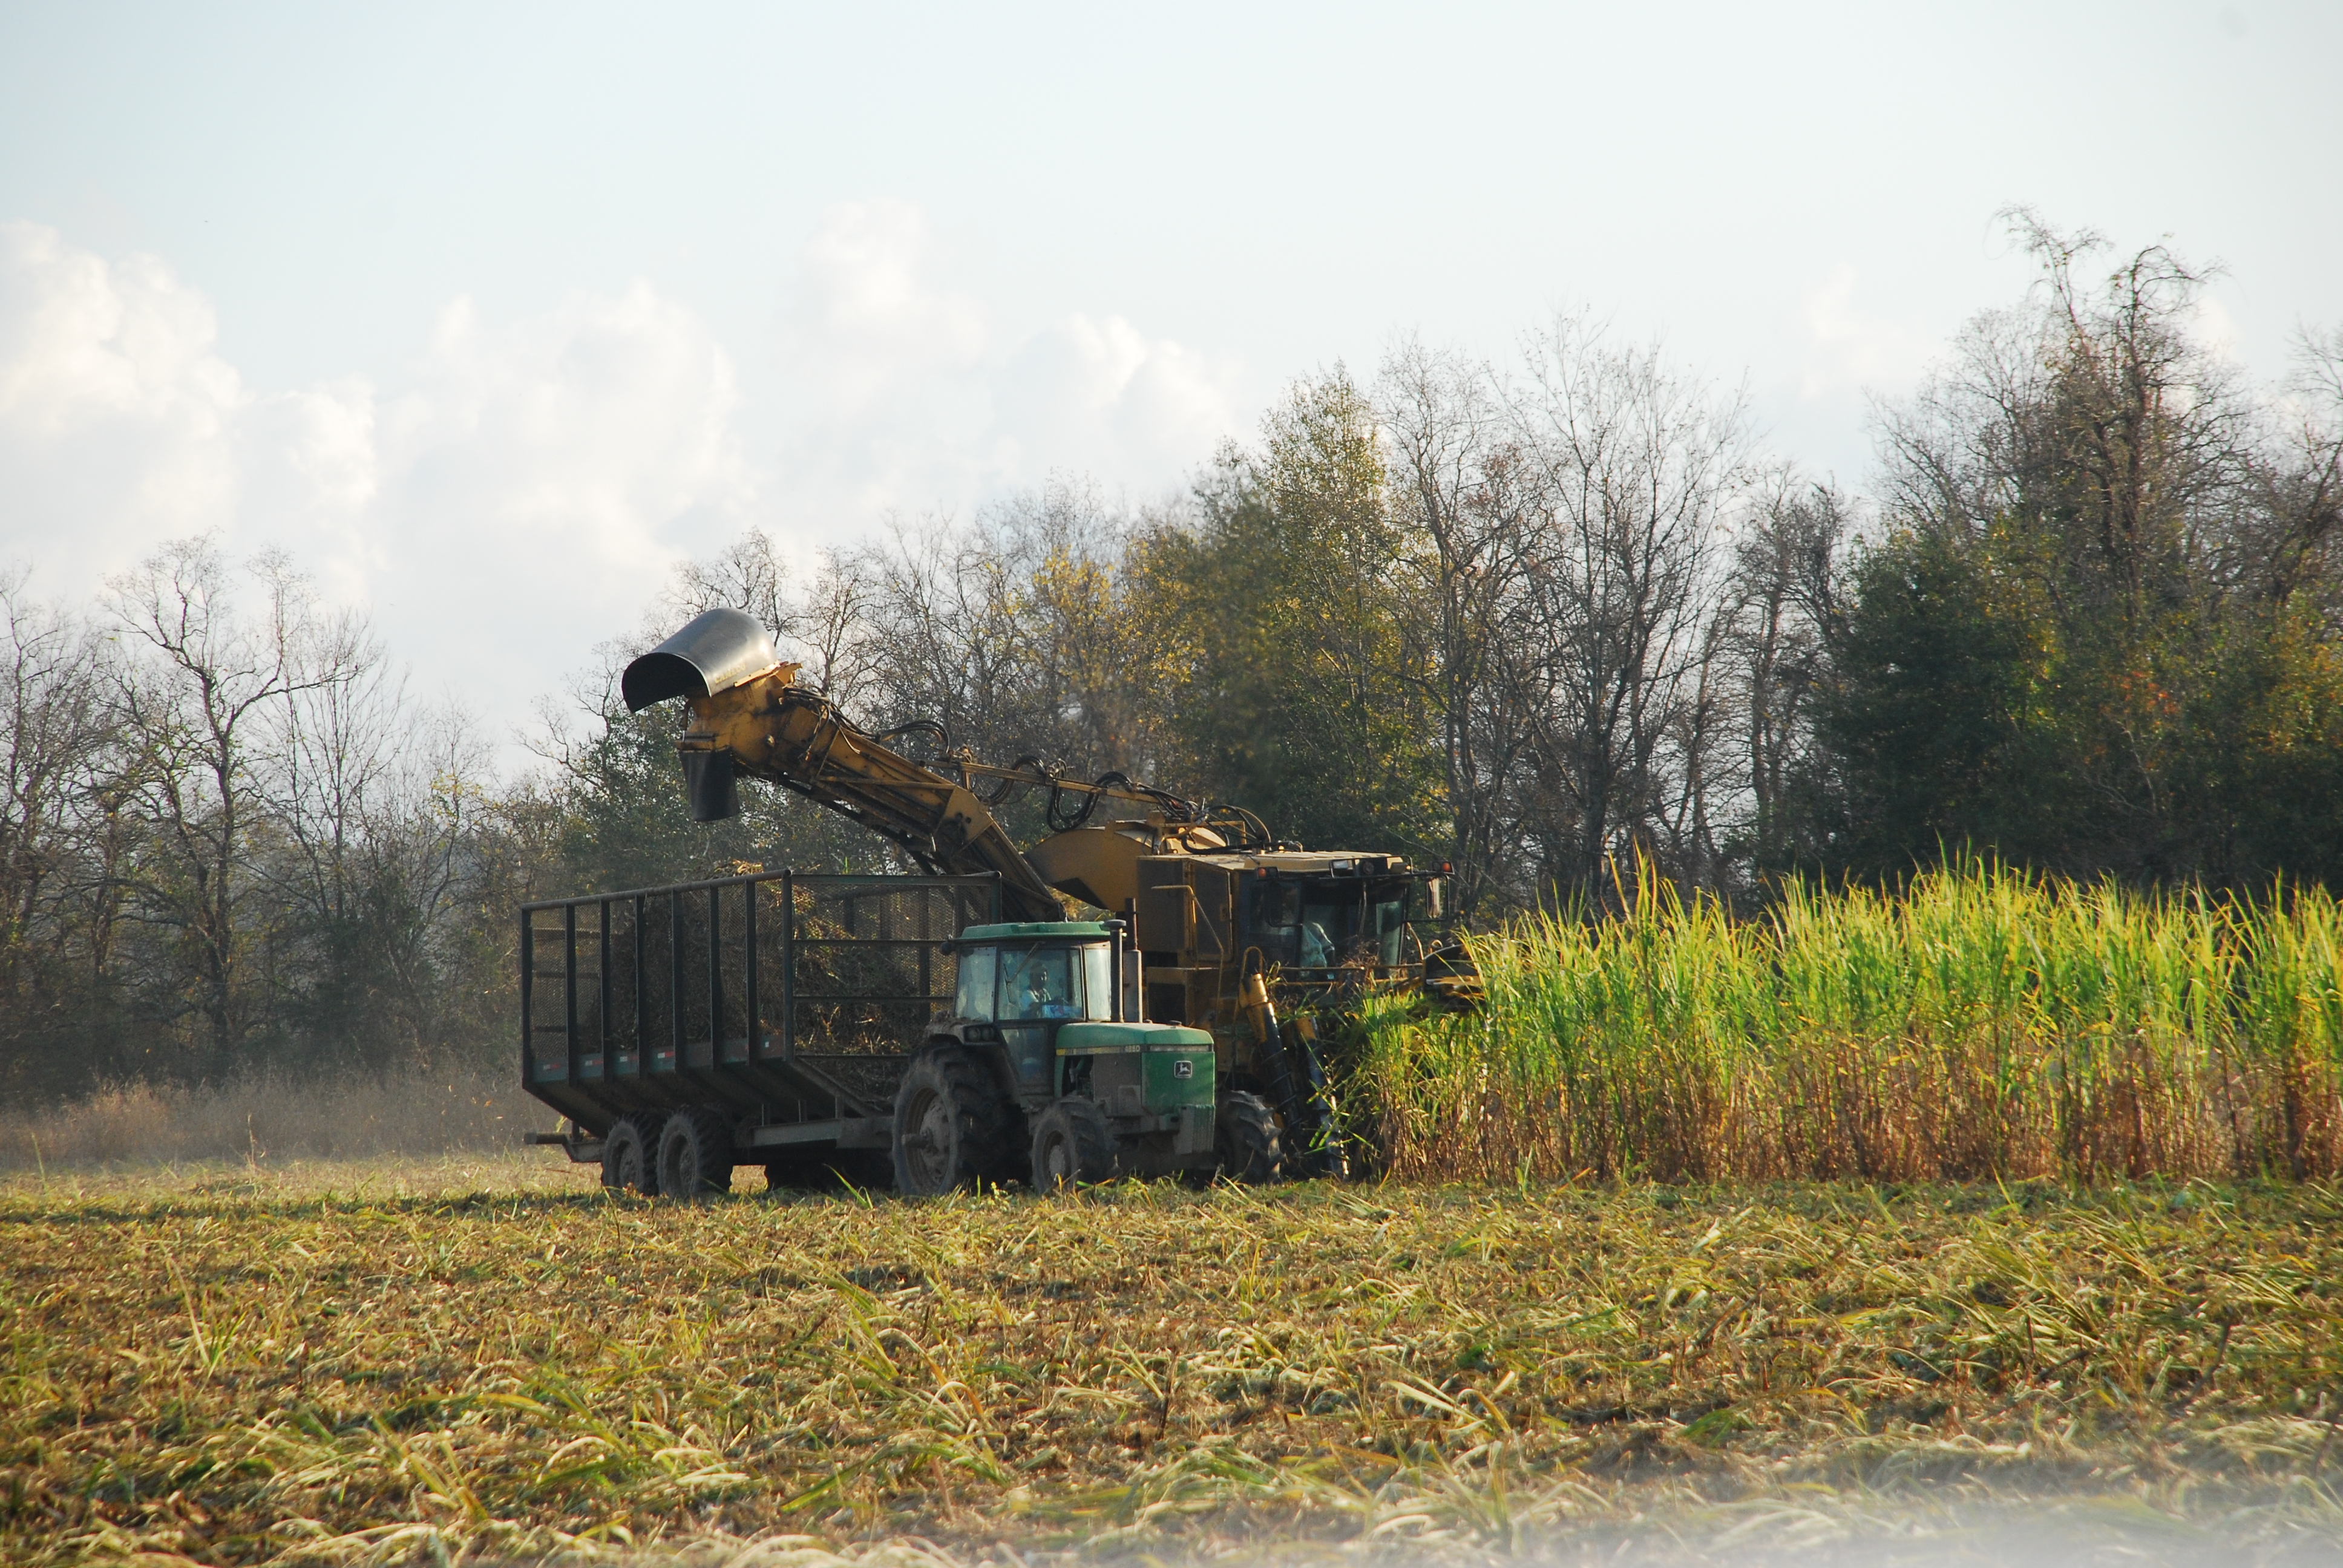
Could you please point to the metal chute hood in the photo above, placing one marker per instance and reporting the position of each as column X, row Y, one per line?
column 719, row 650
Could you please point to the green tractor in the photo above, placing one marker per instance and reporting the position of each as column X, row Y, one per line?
column 1044, row 1072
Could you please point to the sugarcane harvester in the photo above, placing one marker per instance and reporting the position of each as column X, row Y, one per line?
column 1238, row 944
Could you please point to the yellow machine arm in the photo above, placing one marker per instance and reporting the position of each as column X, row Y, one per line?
column 748, row 715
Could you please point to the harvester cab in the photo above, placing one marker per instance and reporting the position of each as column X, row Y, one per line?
column 1042, row 1038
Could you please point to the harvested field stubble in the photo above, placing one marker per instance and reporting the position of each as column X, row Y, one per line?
column 1983, row 1023
column 291, row 1369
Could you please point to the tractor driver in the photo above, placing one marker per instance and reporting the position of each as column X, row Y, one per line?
column 1046, row 994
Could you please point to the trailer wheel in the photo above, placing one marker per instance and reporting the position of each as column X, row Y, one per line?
column 1245, row 1140
column 1073, row 1144
column 626, row 1153
column 695, row 1155
column 950, row 1125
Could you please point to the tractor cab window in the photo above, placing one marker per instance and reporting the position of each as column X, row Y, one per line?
column 1046, row 983
column 978, row 967
column 1354, row 931
column 1277, row 907
column 1098, row 981
column 1275, row 919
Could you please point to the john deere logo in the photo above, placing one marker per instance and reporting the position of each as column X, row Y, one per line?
column 1183, row 1068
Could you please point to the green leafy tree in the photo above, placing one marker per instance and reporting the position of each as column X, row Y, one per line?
column 1940, row 716
column 1293, row 699
column 2094, row 639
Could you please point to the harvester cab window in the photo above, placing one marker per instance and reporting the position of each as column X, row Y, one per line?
column 978, row 967
column 1273, row 919
column 1325, row 927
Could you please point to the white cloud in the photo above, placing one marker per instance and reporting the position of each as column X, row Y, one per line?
column 513, row 500
column 539, row 480
column 114, row 412
column 81, row 343
column 1151, row 408
column 546, row 471
column 2216, row 329
column 876, row 314
column 905, row 396
column 517, row 492
column 1849, row 350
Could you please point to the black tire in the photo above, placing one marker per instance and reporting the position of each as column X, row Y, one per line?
column 1072, row 1146
column 695, row 1155
column 1332, row 1158
column 1245, row 1140
column 952, row 1126
column 627, row 1149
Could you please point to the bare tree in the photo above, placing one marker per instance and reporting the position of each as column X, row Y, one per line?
column 747, row 575
column 827, row 628
column 831, row 633
column 1783, row 613
column 328, row 748
column 1631, row 468
column 417, row 863
column 56, row 763
column 2302, row 481
column 57, row 720
column 197, row 708
column 2095, row 412
column 1006, row 631
column 1458, row 495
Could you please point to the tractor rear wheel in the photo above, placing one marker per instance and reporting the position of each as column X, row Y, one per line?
column 695, row 1155
column 626, row 1153
column 951, row 1125
column 1072, row 1146
column 1245, row 1139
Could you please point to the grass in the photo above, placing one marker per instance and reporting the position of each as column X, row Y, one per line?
column 1984, row 1024
column 489, row 1359
column 407, row 1112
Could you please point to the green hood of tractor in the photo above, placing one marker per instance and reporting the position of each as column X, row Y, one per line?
column 1076, row 1038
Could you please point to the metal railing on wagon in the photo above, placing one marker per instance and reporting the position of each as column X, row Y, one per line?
column 793, row 995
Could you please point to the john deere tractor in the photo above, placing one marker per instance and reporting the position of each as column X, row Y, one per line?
column 1039, row 1075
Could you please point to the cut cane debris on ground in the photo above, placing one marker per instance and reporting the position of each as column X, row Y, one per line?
column 484, row 1360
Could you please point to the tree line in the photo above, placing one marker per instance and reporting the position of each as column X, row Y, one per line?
column 1537, row 619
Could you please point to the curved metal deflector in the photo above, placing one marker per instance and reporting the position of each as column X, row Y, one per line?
column 717, row 651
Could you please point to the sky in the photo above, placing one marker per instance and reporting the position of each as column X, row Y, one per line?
column 489, row 314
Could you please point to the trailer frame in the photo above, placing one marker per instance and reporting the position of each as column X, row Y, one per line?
column 695, row 994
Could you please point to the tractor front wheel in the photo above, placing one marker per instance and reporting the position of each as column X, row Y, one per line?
column 1245, row 1140
column 1072, row 1146
column 950, row 1125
